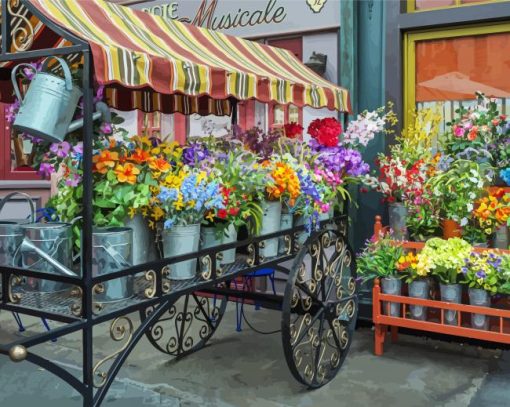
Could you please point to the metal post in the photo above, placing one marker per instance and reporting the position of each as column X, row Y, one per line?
column 6, row 28
column 86, row 249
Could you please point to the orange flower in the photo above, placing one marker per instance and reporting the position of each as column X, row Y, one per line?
column 126, row 173
column 104, row 161
column 140, row 156
column 160, row 165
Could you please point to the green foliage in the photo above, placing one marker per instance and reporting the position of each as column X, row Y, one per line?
column 379, row 259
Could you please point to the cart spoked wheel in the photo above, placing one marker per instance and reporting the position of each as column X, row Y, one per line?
column 319, row 309
column 187, row 325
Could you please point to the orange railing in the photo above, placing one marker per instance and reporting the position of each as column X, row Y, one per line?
column 499, row 327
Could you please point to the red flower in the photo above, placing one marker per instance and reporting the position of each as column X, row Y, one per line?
column 233, row 211
column 222, row 213
column 325, row 131
column 292, row 130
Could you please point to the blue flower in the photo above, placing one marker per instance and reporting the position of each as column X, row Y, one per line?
column 464, row 270
column 169, row 223
column 480, row 274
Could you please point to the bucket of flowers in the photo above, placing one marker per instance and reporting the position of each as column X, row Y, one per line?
column 444, row 259
column 482, row 274
column 490, row 217
column 418, row 282
column 185, row 199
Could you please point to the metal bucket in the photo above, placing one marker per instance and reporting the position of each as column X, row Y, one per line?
column 145, row 249
column 481, row 298
column 450, row 293
column 391, row 285
column 230, row 236
column 112, row 250
column 419, row 289
column 286, row 222
column 302, row 236
column 501, row 240
column 11, row 234
column 209, row 238
column 49, row 104
column 270, row 224
column 47, row 247
column 178, row 241
column 327, row 215
column 398, row 219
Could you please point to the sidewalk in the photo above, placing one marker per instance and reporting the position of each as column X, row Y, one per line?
column 248, row 369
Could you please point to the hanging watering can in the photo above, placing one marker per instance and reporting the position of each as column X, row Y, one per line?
column 112, row 250
column 50, row 103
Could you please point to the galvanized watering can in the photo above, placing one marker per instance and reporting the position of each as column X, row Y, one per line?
column 50, row 103
column 112, row 250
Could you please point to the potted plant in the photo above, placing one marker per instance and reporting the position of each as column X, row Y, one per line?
column 423, row 221
column 482, row 275
column 418, row 282
column 454, row 192
column 185, row 199
column 379, row 259
column 239, row 183
column 444, row 259
column 490, row 217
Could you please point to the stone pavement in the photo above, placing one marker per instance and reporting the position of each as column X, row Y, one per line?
column 248, row 369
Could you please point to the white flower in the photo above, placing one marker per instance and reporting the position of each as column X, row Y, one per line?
column 470, row 207
column 463, row 222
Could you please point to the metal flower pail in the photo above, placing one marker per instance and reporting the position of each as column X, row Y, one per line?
column 270, row 224
column 11, row 234
column 49, row 104
column 145, row 249
column 179, row 240
column 112, row 250
column 47, row 247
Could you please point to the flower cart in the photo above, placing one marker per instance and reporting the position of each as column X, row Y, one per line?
column 153, row 64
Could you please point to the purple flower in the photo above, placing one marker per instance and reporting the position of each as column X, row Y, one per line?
column 480, row 274
column 464, row 270
column 45, row 170
column 194, row 153
column 61, row 150
column 73, row 180
column 99, row 94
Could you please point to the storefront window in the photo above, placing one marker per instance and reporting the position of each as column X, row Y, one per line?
column 421, row 5
column 150, row 124
column 446, row 72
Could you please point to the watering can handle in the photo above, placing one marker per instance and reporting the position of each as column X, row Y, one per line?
column 67, row 72
column 116, row 256
column 6, row 198
column 15, row 82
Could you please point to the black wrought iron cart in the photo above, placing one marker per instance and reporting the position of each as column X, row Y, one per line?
column 318, row 307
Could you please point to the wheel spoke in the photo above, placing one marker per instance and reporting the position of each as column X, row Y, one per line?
column 204, row 313
column 318, row 351
column 306, row 329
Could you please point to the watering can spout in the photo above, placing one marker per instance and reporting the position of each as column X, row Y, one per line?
column 102, row 112
column 27, row 245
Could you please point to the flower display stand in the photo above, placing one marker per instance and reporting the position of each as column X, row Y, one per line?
column 499, row 327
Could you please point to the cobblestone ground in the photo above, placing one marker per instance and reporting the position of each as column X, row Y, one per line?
column 247, row 369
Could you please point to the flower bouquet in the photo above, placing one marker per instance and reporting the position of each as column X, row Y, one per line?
column 445, row 259
column 418, row 282
column 190, row 194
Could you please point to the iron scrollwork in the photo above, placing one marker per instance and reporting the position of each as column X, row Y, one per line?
column 121, row 329
column 14, row 280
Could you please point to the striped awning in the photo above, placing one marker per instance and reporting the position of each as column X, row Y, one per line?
column 143, row 57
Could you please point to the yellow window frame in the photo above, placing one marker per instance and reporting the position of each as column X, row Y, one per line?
column 411, row 5
column 409, row 54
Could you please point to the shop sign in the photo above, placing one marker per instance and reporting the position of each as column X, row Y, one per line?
column 250, row 18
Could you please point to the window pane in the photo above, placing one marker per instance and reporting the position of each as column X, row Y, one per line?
column 429, row 4
column 293, row 114
column 279, row 115
column 451, row 70
column 156, row 120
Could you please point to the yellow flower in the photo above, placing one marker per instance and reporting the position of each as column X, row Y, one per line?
column 157, row 213
column 127, row 173
column 131, row 212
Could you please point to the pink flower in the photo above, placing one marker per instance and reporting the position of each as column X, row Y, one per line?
column 106, row 128
column 458, row 131
column 45, row 170
column 61, row 150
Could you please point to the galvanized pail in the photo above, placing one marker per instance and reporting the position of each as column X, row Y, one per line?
column 209, row 238
column 451, row 293
column 286, row 221
column 391, row 285
column 181, row 240
column 144, row 250
column 419, row 289
column 270, row 224
column 54, row 240
column 480, row 298
column 112, row 250
column 11, row 234
column 49, row 103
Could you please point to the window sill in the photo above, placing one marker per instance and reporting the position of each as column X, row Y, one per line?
column 15, row 184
